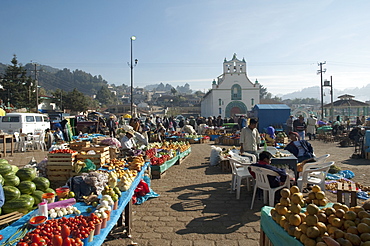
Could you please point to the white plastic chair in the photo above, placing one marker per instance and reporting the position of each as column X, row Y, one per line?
column 17, row 141
column 262, row 182
column 25, row 142
column 318, row 160
column 318, row 178
column 39, row 141
column 239, row 171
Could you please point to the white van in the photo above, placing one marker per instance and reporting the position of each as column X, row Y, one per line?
column 24, row 122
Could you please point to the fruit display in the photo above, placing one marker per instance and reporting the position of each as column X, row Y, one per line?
column 333, row 226
column 135, row 163
column 23, row 190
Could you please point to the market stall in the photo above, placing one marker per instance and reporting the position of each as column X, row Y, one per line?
column 124, row 206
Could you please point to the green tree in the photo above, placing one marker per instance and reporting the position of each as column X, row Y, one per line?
column 76, row 101
column 105, row 96
column 264, row 93
column 18, row 88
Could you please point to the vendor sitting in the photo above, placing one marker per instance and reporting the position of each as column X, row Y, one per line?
column 128, row 143
column 301, row 149
column 58, row 135
column 265, row 162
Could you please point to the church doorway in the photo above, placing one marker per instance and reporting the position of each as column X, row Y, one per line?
column 235, row 107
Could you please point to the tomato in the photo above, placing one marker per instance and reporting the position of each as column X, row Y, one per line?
column 67, row 242
column 65, row 231
column 57, row 240
column 36, row 238
column 1, row 237
column 78, row 241
column 34, row 244
column 22, row 244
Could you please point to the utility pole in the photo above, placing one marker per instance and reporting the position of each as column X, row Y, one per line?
column 322, row 87
column 37, row 90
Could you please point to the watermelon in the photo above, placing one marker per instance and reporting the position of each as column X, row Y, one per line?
column 11, row 180
column 21, row 204
column 1, row 180
column 50, row 190
column 11, row 193
column 5, row 167
column 27, row 187
column 41, row 183
column 37, row 195
column 26, row 197
column 14, row 168
column 27, row 174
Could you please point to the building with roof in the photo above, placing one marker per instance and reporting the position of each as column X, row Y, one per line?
column 347, row 106
column 232, row 93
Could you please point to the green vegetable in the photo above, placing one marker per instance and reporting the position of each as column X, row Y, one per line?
column 27, row 187
column 41, row 183
column 5, row 167
column 11, row 180
column 1, row 180
column 37, row 195
column 21, row 204
column 11, row 192
column 27, row 174
column 14, row 168
column 50, row 190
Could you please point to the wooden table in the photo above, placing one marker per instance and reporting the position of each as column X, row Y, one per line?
column 4, row 137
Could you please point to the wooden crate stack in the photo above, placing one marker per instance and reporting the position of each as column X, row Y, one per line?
column 100, row 157
column 60, row 166
column 79, row 145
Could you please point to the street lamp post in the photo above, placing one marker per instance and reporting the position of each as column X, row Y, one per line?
column 132, row 65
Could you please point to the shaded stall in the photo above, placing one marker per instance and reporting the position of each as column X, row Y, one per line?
column 271, row 114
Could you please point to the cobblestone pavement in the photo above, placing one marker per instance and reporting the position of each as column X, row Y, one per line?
column 195, row 206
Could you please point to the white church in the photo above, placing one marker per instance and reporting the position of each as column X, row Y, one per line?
column 232, row 93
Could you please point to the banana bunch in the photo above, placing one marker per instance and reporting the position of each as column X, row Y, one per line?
column 126, row 180
column 112, row 179
column 90, row 199
column 136, row 163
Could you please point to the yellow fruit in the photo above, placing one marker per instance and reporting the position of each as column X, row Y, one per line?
column 311, row 220
column 365, row 236
column 303, row 216
column 339, row 213
column 329, row 211
column 344, row 207
column 367, row 243
column 295, row 208
column 322, row 228
column 282, row 221
column 353, row 230
column 298, row 233
column 354, row 239
column 311, row 196
column 291, row 230
column 363, row 228
column 282, row 210
column 331, row 217
column 338, row 233
column 313, row 232
column 285, row 201
column 337, row 206
column 366, row 221
column 303, row 238
column 323, row 202
column 303, row 227
column 296, row 198
column 322, row 217
column 332, row 229
column 312, row 209
column 285, row 193
column 309, row 242
column 344, row 242
column 363, row 214
column 350, row 215
column 295, row 220
column 294, row 189
column 348, row 223
column 316, row 202
column 320, row 195
column 337, row 222
column 316, row 188
column 358, row 209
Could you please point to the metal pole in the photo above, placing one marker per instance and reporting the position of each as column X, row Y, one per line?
column 37, row 90
column 132, row 82
column 322, row 94
column 331, row 94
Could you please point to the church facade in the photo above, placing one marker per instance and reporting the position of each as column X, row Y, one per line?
column 232, row 93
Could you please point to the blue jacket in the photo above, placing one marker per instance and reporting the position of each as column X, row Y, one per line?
column 2, row 196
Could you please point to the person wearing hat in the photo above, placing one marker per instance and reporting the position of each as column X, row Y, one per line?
column 311, row 127
column 112, row 126
column 128, row 143
column 301, row 149
column 250, row 138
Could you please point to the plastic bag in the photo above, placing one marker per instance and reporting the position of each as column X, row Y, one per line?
column 346, row 174
column 215, row 155
column 90, row 166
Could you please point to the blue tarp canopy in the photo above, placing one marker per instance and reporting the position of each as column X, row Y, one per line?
column 271, row 115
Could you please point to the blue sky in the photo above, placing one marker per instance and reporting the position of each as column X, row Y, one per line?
column 182, row 42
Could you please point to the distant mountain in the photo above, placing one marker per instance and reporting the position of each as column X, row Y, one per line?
column 361, row 94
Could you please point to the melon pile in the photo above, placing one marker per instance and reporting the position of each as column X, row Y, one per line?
column 334, row 226
column 22, row 189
